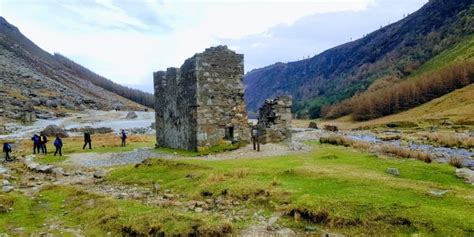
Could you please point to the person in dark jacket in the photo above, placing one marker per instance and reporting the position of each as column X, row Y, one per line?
column 87, row 140
column 7, row 148
column 123, row 136
column 36, row 143
column 58, row 143
column 256, row 138
column 43, row 141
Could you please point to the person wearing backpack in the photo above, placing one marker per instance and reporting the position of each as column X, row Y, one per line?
column 87, row 140
column 123, row 136
column 36, row 143
column 7, row 148
column 58, row 143
column 43, row 141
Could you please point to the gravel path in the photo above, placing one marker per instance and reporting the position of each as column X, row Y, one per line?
column 114, row 159
column 139, row 155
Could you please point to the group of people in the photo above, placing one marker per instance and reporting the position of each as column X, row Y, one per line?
column 39, row 144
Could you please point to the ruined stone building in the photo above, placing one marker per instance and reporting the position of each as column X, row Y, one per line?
column 202, row 102
column 274, row 120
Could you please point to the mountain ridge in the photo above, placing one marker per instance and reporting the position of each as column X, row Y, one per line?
column 340, row 72
column 34, row 81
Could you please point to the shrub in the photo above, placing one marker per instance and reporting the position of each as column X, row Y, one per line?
column 406, row 153
column 456, row 162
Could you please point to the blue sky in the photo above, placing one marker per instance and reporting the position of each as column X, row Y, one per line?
column 126, row 40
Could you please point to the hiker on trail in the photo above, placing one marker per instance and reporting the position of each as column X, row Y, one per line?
column 123, row 136
column 36, row 143
column 256, row 138
column 87, row 140
column 58, row 143
column 7, row 148
column 43, row 141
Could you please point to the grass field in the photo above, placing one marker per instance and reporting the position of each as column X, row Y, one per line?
column 334, row 188
column 349, row 190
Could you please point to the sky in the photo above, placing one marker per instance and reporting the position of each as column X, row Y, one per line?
column 127, row 40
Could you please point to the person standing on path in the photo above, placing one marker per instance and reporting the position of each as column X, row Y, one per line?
column 256, row 138
column 123, row 136
column 7, row 148
column 36, row 143
column 87, row 140
column 58, row 143
column 43, row 141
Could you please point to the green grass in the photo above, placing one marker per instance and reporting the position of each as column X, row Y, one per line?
column 352, row 188
column 202, row 151
column 97, row 215
column 50, row 159
column 462, row 51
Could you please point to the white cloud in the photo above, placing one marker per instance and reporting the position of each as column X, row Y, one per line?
column 127, row 46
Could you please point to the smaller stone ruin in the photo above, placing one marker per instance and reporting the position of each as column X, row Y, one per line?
column 274, row 120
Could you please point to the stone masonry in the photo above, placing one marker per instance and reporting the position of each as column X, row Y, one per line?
column 202, row 103
column 274, row 120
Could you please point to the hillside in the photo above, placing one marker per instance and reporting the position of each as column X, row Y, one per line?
column 338, row 73
column 450, row 70
column 32, row 80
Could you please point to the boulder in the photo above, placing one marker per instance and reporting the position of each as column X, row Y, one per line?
column 131, row 115
column 52, row 103
column 466, row 174
column 53, row 130
column 99, row 174
column 313, row 125
column 393, row 171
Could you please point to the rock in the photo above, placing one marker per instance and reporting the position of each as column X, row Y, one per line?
column 393, row 171
column 198, row 209
column 53, row 130
column 168, row 196
column 3, row 170
column 122, row 195
column 438, row 193
column 7, row 189
column 313, row 125
column 156, row 187
column 45, row 169
column 52, row 103
column 99, row 174
column 3, row 209
column 35, row 101
column 5, row 182
column 131, row 115
column 466, row 174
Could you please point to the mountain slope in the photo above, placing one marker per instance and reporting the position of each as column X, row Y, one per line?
column 31, row 79
column 338, row 73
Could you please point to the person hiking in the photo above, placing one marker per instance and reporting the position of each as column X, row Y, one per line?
column 123, row 136
column 58, row 143
column 36, row 143
column 7, row 148
column 256, row 138
column 43, row 141
column 87, row 140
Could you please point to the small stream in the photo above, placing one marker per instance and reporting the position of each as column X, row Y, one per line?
column 96, row 119
column 443, row 153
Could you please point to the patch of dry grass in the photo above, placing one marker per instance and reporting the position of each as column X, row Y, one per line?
column 406, row 153
column 450, row 140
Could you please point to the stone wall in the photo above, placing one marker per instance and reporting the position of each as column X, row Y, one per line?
column 274, row 120
column 201, row 103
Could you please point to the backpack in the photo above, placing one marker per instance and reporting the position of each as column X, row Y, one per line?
column 9, row 148
column 57, row 142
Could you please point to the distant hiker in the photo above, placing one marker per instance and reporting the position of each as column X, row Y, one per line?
column 123, row 136
column 87, row 140
column 43, row 141
column 256, row 138
column 58, row 143
column 7, row 148
column 36, row 143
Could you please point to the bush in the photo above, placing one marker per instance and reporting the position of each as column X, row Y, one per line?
column 456, row 162
column 406, row 153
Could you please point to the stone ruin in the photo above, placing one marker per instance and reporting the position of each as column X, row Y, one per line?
column 274, row 120
column 201, row 104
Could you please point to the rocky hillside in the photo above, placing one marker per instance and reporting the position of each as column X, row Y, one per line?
column 396, row 50
column 34, row 84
